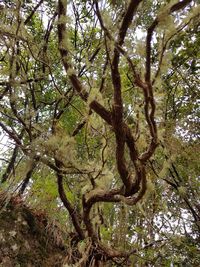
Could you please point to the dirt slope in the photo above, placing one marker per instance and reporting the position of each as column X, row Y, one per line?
column 27, row 239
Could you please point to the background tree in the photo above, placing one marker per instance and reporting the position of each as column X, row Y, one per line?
column 99, row 101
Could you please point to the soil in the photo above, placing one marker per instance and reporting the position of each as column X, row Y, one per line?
column 27, row 238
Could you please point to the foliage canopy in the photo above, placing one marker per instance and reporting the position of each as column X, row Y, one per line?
column 99, row 104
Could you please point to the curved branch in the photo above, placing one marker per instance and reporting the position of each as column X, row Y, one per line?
column 117, row 114
column 72, row 211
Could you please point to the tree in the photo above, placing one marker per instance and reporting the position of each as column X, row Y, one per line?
column 99, row 102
